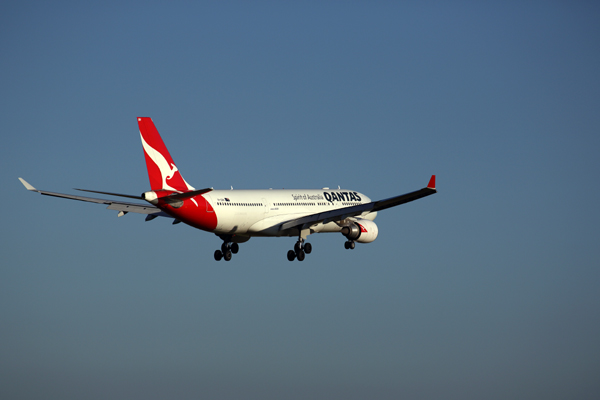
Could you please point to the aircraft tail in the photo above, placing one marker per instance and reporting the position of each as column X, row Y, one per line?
column 162, row 171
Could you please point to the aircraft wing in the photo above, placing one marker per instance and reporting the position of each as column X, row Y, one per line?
column 122, row 206
column 353, row 211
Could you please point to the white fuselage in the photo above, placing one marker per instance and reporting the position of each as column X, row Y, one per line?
column 260, row 212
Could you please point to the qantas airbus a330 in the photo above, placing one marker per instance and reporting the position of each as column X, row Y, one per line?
column 237, row 215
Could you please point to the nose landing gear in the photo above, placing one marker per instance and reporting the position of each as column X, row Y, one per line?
column 349, row 245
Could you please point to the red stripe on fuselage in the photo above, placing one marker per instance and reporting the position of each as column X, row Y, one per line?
column 201, row 216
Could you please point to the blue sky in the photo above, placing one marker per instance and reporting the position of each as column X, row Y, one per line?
column 489, row 289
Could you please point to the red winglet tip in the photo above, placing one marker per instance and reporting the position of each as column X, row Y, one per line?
column 431, row 184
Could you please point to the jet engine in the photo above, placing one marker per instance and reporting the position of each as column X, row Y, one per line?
column 361, row 230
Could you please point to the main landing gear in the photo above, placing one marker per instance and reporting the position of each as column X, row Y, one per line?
column 300, row 250
column 349, row 245
column 227, row 250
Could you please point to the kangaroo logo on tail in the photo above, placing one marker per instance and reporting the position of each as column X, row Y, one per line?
column 167, row 172
column 168, row 176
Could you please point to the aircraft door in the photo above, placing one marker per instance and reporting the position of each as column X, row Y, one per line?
column 208, row 200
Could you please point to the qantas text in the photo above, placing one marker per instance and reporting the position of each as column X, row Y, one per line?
column 341, row 196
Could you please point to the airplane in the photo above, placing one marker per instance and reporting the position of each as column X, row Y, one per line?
column 235, row 216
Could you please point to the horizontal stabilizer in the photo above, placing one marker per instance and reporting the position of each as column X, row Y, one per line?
column 187, row 195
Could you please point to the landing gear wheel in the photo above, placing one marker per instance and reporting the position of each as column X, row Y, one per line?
column 352, row 244
column 346, row 245
column 301, row 255
column 291, row 255
column 235, row 248
column 298, row 247
column 224, row 248
column 218, row 255
column 307, row 248
column 349, row 245
column 227, row 255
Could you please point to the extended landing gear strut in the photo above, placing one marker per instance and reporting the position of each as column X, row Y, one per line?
column 227, row 249
column 300, row 250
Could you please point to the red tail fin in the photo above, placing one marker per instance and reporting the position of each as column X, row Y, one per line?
column 162, row 171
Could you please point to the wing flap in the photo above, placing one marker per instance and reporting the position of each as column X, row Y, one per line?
column 137, row 208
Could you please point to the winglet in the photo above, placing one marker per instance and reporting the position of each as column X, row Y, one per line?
column 27, row 185
column 431, row 184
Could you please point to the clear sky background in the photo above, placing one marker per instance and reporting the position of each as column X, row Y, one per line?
column 488, row 289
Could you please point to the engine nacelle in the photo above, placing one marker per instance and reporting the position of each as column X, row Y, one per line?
column 361, row 230
column 352, row 232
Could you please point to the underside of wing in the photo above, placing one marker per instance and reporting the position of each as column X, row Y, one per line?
column 405, row 198
column 327, row 216
column 353, row 211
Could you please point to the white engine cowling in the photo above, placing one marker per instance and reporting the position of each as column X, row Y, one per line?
column 361, row 230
